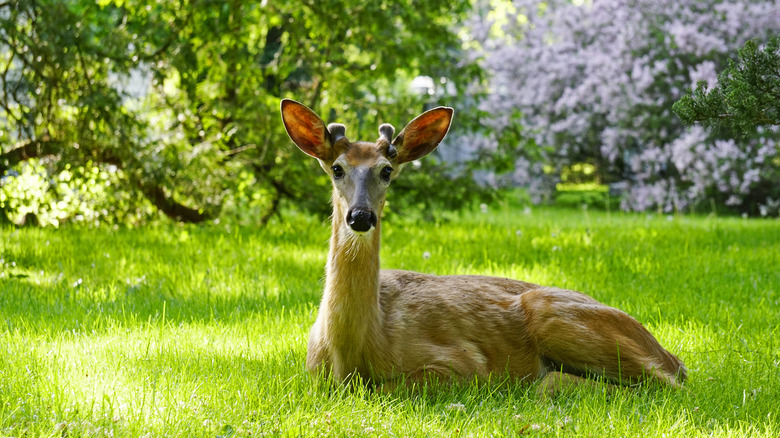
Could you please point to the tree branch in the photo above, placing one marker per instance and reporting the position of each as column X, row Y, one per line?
column 170, row 207
column 31, row 149
column 155, row 193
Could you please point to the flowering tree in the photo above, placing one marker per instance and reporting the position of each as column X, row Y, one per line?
column 594, row 82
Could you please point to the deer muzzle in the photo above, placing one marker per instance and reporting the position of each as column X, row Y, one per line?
column 361, row 220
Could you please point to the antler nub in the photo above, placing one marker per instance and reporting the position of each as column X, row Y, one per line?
column 337, row 131
column 386, row 132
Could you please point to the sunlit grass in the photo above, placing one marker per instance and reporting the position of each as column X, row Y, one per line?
column 184, row 331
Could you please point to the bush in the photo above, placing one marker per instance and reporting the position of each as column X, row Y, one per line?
column 595, row 82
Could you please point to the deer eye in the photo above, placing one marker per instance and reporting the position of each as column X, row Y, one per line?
column 385, row 173
column 338, row 171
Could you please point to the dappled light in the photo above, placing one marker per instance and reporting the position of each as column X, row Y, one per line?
column 178, row 103
column 164, row 243
column 197, row 329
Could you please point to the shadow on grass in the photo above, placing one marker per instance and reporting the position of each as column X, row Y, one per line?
column 34, row 304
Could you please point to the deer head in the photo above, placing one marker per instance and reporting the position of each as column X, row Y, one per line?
column 362, row 171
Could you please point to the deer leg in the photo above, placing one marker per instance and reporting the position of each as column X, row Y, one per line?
column 581, row 336
column 556, row 381
column 416, row 380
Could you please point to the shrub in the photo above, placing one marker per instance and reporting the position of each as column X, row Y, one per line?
column 595, row 82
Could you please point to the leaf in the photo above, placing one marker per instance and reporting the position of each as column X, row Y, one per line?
column 227, row 431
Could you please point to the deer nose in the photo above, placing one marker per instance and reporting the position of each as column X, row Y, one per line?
column 361, row 220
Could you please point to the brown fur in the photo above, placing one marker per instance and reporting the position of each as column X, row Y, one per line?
column 389, row 326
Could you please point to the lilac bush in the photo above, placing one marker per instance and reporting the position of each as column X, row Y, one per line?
column 595, row 82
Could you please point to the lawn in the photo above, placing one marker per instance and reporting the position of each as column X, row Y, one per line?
column 201, row 331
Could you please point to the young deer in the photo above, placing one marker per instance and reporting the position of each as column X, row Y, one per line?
column 398, row 326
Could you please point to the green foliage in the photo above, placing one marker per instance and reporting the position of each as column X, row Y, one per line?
column 428, row 188
column 179, row 330
column 580, row 187
column 35, row 195
column 585, row 199
column 183, row 96
column 747, row 95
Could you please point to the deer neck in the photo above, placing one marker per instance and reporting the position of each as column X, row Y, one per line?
column 350, row 306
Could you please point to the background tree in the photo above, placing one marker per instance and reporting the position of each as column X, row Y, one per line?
column 58, row 60
column 747, row 95
column 178, row 100
column 594, row 82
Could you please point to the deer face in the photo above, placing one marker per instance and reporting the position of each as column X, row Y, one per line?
column 362, row 171
column 361, row 175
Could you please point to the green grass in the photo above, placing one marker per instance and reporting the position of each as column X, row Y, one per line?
column 184, row 331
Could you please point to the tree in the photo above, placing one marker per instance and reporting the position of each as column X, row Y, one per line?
column 594, row 82
column 203, row 133
column 63, row 63
column 747, row 95
column 349, row 61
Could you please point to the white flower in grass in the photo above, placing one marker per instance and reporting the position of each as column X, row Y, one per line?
column 456, row 407
column 426, row 255
column 564, row 422
column 366, row 427
column 483, row 208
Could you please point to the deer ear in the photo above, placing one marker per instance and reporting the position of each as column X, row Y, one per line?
column 423, row 134
column 306, row 129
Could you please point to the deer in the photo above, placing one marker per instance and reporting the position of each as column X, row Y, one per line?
column 393, row 328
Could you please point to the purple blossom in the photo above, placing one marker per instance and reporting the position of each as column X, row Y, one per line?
column 599, row 79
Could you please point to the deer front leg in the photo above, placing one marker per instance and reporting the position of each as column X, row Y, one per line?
column 416, row 380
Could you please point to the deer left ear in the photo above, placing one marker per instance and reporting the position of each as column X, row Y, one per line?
column 306, row 129
column 423, row 134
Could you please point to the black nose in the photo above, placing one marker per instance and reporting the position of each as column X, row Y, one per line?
column 361, row 220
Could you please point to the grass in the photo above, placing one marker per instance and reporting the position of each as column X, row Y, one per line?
column 185, row 331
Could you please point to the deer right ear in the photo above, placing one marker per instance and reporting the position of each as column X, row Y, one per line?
column 306, row 129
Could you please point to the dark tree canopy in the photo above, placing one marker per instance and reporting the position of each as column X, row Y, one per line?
column 179, row 98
